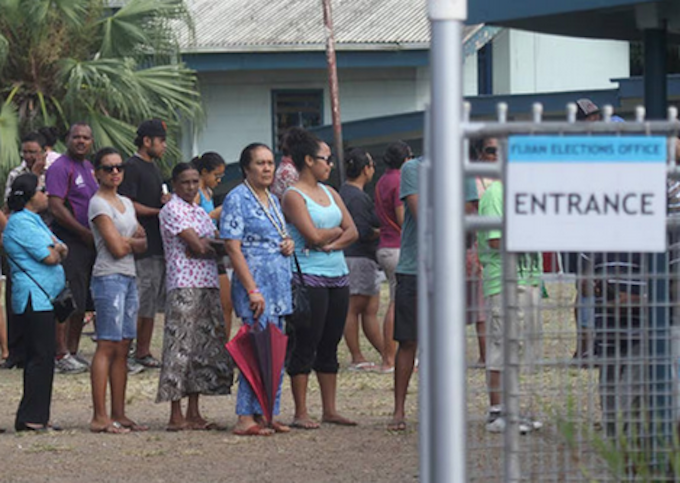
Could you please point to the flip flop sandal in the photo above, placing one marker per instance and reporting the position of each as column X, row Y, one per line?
column 254, row 430
column 113, row 428
column 397, row 426
column 361, row 367
column 208, row 427
column 340, row 422
column 280, row 428
column 136, row 428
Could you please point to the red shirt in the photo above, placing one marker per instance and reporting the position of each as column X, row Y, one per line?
column 386, row 201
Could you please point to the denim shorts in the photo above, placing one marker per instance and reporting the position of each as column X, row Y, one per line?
column 116, row 303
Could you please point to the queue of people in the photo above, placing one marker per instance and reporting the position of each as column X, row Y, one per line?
column 127, row 248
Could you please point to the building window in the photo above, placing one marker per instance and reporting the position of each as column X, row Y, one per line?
column 485, row 70
column 302, row 108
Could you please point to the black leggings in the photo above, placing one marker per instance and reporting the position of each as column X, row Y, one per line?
column 39, row 334
column 317, row 346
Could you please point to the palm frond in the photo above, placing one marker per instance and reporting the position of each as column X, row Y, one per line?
column 173, row 88
column 141, row 28
column 75, row 11
column 9, row 136
column 108, row 131
column 63, row 61
column 4, row 51
column 110, row 84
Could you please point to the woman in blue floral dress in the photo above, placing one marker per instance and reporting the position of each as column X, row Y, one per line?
column 258, row 245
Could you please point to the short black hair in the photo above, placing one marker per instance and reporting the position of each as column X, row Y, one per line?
column 247, row 156
column 23, row 189
column 51, row 135
column 396, row 154
column 301, row 143
column 34, row 137
column 209, row 161
column 78, row 124
column 181, row 168
column 101, row 154
column 355, row 162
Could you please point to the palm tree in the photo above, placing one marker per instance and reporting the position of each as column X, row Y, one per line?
column 109, row 63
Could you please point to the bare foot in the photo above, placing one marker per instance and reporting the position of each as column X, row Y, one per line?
column 174, row 426
column 277, row 426
column 397, row 425
column 114, row 427
column 304, row 423
column 337, row 419
column 252, row 430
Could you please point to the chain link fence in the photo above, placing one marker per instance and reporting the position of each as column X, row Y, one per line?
column 585, row 344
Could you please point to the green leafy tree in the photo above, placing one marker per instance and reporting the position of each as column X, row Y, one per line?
column 109, row 63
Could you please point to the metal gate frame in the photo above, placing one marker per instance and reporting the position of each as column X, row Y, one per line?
column 433, row 285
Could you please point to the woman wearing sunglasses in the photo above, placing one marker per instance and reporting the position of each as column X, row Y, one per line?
column 321, row 228
column 35, row 257
column 117, row 236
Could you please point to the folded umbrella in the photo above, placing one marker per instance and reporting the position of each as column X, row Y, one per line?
column 260, row 354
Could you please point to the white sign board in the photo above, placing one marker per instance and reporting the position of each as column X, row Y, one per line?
column 578, row 193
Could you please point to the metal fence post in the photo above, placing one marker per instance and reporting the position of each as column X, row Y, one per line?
column 510, row 306
column 425, row 289
column 446, row 325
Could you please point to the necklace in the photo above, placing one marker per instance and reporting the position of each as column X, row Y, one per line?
column 281, row 225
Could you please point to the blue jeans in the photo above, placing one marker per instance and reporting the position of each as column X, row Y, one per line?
column 116, row 303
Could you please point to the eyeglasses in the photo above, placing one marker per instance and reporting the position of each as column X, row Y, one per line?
column 330, row 159
column 491, row 150
column 109, row 169
column 43, row 190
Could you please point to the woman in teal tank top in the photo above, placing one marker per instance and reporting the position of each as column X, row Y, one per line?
column 321, row 227
column 211, row 167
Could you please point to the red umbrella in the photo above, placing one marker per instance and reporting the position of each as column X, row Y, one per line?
column 259, row 354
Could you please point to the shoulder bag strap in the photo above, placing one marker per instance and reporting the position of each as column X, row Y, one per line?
column 299, row 271
column 29, row 276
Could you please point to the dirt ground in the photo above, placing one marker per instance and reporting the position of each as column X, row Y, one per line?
column 331, row 454
column 368, row 453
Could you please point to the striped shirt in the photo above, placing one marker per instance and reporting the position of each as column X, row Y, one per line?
column 617, row 323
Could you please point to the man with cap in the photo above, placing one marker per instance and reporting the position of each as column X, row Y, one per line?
column 143, row 184
column 587, row 110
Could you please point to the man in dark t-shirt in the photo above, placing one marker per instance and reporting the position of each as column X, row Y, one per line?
column 143, row 184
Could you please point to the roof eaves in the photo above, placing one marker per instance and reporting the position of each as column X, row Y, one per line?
column 379, row 47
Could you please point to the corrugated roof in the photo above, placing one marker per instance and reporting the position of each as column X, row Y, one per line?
column 271, row 25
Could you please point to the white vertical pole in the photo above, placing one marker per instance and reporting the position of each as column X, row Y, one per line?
column 425, row 291
column 447, row 318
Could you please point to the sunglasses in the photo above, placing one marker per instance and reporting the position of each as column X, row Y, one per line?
column 109, row 169
column 491, row 150
column 330, row 159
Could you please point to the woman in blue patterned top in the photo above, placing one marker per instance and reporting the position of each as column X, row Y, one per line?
column 259, row 247
column 35, row 255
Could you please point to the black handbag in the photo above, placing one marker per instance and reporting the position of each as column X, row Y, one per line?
column 64, row 304
column 301, row 318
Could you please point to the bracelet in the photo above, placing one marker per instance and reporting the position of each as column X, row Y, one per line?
column 257, row 290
